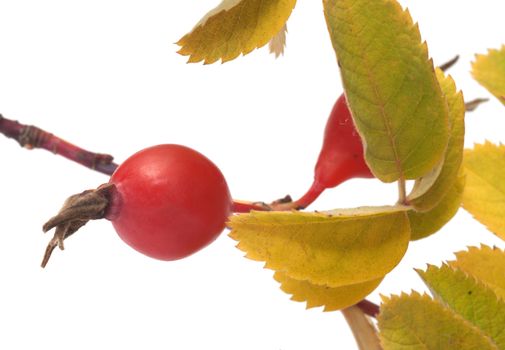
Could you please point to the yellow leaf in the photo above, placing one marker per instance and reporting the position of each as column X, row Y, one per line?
column 489, row 71
column 484, row 195
column 390, row 85
column 425, row 224
column 235, row 27
column 278, row 42
column 331, row 298
column 337, row 250
column 470, row 299
column 429, row 190
column 416, row 322
column 486, row 265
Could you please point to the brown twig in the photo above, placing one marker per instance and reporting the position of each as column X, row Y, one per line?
column 30, row 137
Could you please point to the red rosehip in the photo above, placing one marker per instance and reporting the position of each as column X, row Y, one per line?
column 169, row 201
column 166, row 201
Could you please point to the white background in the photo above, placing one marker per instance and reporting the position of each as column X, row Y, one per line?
column 104, row 74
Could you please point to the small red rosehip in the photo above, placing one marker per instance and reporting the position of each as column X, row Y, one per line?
column 341, row 157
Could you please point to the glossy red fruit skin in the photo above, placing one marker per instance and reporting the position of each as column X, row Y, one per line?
column 341, row 157
column 169, row 201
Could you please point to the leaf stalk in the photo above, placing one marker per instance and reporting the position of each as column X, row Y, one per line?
column 363, row 330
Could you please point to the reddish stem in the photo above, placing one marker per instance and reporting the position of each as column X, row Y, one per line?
column 307, row 199
column 312, row 194
column 31, row 137
column 369, row 308
column 241, row 207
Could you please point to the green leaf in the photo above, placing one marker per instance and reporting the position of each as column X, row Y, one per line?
column 430, row 189
column 425, row 224
column 484, row 195
column 416, row 322
column 235, row 27
column 340, row 249
column 331, row 298
column 489, row 71
column 470, row 299
column 391, row 87
column 486, row 265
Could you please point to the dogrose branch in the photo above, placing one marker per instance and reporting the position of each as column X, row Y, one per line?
column 30, row 137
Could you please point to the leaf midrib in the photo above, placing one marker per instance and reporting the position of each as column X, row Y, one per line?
column 380, row 103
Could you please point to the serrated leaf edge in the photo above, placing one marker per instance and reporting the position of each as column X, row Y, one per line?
column 445, row 309
column 441, row 300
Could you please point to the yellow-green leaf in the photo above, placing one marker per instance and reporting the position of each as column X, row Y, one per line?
column 390, row 85
column 417, row 322
column 429, row 190
column 425, row 224
column 331, row 298
column 334, row 250
column 489, row 71
column 470, row 299
column 235, row 27
column 484, row 195
column 486, row 265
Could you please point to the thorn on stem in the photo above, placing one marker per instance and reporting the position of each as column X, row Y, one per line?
column 449, row 63
column 472, row 105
